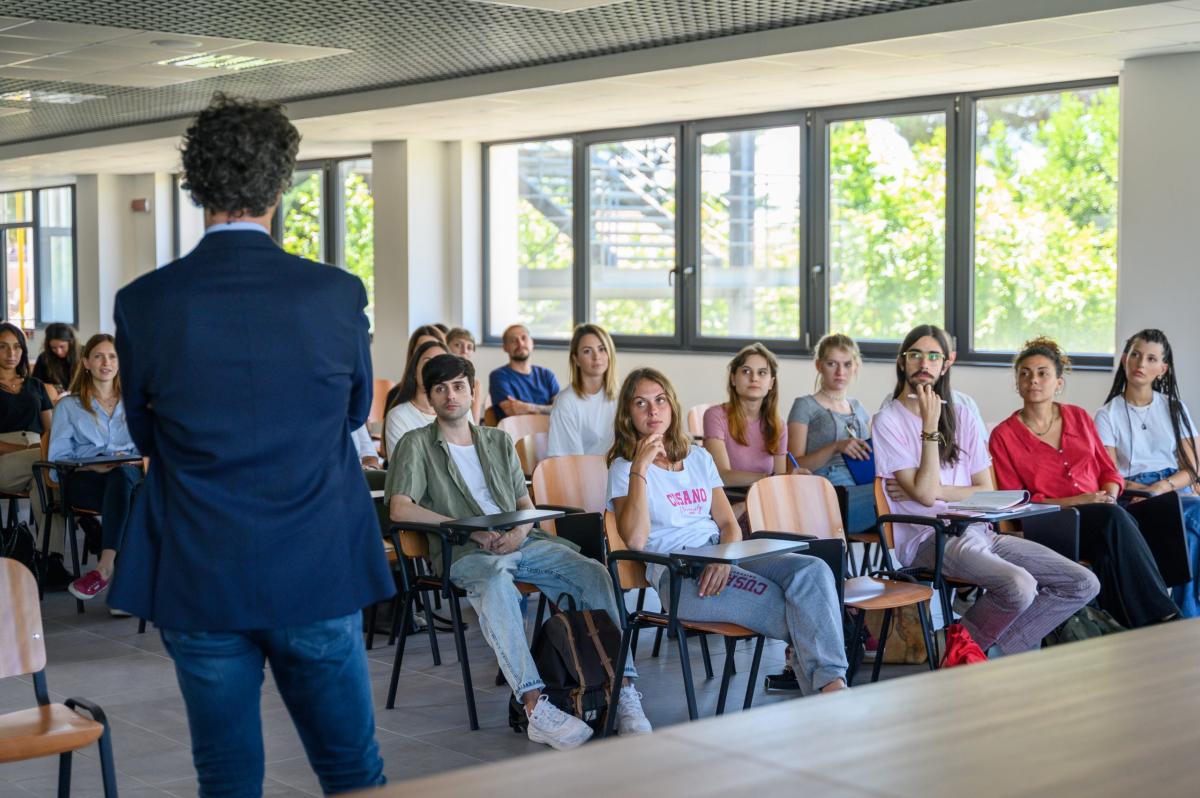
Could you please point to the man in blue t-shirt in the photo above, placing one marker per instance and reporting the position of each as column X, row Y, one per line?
column 521, row 387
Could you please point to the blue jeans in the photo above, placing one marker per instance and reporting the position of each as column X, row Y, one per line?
column 555, row 569
column 1186, row 596
column 321, row 671
column 110, row 493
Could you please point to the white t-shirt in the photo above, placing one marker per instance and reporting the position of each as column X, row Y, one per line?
column 467, row 460
column 581, row 425
column 1141, row 450
column 680, row 503
column 964, row 401
column 401, row 419
column 363, row 443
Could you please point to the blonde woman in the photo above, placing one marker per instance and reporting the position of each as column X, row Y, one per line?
column 668, row 496
column 581, row 421
column 745, row 435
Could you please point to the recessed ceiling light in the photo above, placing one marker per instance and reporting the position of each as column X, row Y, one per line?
column 176, row 44
column 53, row 97
column 226, row 61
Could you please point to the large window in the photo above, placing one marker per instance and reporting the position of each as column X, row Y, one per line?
column 991, row 214
column 302, row 214
column 530, row 237
column 1046, row 219
column 750, row 233
column 37, row 231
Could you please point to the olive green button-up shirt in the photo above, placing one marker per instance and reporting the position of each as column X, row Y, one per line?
column 422, row 469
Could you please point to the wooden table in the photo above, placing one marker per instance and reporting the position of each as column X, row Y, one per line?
column 1116, row 716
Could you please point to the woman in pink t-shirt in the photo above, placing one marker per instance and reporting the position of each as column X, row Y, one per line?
column 745, row 436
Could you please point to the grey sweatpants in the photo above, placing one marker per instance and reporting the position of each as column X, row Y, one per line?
column 790, row 597
column 1028, row 589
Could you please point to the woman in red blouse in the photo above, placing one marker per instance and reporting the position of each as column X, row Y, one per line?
column 1053, row 451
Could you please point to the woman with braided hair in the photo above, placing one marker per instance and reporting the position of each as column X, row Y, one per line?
column 1149, row 433
column 1051, row 449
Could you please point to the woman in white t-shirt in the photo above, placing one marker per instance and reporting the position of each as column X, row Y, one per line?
column 1150, row 436
column 581, row 421
column 411, row 409
column 667, row 495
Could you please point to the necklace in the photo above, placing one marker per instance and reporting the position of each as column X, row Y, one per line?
column 832, row 397
column 1140, row 412
column 13, row 386
column 1044, row 432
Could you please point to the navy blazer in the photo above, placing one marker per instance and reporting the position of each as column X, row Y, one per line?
column 243, row 371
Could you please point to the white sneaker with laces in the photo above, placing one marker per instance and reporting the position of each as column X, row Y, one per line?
column 550, row 725
column 631, row 720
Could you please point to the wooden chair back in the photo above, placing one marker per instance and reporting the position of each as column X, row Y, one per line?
column 489, row 417
column 531, row 450
column 806, row 505
column 695, row 420
column 51, row 483
column 379, row 401
column 632, row 574
column 22, row 641
column 577, row 480
column 882, row 508
column 528, row 424
column 414, row 545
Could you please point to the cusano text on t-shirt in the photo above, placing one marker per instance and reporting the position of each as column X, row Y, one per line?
column 680, row 503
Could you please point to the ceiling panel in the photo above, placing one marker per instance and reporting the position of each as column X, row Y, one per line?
column 390, row 43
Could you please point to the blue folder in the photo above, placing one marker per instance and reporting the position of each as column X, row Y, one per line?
column 863, row 471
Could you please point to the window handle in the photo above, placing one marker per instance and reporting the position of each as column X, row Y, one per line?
column 688, row 271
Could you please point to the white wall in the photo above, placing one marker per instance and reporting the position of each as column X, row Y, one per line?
column 1159, row 281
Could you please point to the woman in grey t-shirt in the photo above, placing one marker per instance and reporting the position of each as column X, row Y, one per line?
column 827, row 426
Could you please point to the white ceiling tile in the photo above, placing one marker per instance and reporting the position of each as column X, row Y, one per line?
column 286, row 52
column 920, row 45
column 66, row 31
column 17, row 44
column 179, row 41
column 1176, row 34
column 1026, row 32
column 125, row 54
column 997, row 56
column 6, row 111
column 30, row 73
column 10, row 22
column 1136, row 18
column 1109, row 43
column 137, row 78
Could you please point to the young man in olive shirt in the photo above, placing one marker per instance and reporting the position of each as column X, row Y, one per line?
column 454, row 469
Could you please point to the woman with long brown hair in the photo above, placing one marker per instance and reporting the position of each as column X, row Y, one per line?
column 667, row 496
column 410, row 406
column 25, row 412
column 745, row 435
column 90, row 422
column 60, row 353
column 581, row 421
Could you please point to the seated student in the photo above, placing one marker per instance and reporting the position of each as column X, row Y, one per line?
column 453, row 469
column 930, row 451
column 745, row 436
column 91, row 423
column 461, row 342
column 1146, row 428
column 25, row 412
column 826, row 427
column 423, row 334
column 668, row 495
column 60, row 353
column 1051, row 449
column 582, row 419
column 521, row 387
column 961, row 399
column 411, row 408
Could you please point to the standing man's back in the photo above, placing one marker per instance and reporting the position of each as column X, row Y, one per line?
column 254, row 539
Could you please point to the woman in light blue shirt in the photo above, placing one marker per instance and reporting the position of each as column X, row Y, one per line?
column 90, row 422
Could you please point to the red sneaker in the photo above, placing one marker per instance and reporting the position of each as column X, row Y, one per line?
column 88, row 586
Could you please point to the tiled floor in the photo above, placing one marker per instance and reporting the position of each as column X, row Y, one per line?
column 131, row 678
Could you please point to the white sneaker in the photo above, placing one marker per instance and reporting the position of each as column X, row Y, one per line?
column 631, row 720
column 550, row 725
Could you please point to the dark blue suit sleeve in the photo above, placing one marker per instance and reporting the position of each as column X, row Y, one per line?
column 362, row 381
column 134, row 394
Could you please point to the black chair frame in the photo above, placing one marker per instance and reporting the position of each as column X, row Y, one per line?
column 108, row 770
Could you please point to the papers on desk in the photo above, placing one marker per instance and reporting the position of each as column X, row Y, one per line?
column 992, row 501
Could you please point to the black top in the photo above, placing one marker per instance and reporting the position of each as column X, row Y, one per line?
column 22, row 411
column 50, row 372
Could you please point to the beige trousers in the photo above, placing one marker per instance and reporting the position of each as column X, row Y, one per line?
column 16, row 475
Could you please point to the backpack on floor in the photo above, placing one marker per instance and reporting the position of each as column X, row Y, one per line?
column 18, row 543
column 1085, row 624
column 575, row 652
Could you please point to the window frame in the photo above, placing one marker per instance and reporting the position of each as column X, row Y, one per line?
column 960, row 111
column 39, row 278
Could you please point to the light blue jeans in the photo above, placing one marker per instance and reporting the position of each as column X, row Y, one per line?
column 554, row 569
column 1186, row 596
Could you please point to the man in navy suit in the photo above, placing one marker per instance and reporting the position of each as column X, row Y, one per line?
column 253, row 539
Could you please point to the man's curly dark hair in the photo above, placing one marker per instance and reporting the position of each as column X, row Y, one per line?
column 238, row 155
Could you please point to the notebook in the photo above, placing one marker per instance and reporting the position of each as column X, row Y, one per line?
column 863, row 471
column 992, row 501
